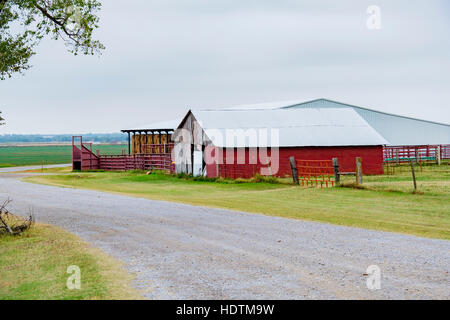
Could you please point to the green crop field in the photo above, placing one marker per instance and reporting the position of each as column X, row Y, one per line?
column 36, row 155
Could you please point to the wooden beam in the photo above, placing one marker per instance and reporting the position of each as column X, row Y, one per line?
column 294, row 170
column 413, row 172
column 337, row 177
column 129, row 143
column 359, row 172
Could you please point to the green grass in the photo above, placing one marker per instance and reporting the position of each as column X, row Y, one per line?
column 36, row 155
column 34, row 265
column 387, row 202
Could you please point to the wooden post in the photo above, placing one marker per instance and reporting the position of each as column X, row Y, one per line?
column 129, row 143
column 359, row 172
column 294, row 170
column 413, row 175
column 438, row 155
column 337, row 176
column 192, row 159
column 396, row 157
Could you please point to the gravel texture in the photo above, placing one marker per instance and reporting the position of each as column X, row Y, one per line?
column 15, row 169
column 180, row 251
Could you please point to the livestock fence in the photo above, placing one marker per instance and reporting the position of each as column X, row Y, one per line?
column 406, row 154
column 135, row 162
column 312, row 173
column 398, row 155
column 323, row 173
column 84, row 158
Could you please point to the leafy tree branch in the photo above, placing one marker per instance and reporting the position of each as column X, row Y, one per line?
column 23, row 23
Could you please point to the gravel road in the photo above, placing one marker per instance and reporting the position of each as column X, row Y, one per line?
column 15, row 169
column 186, row 252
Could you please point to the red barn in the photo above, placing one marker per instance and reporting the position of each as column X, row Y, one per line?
column 245, row 142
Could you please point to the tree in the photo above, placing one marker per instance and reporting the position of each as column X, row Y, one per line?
column 23, row 23
column 1, row 119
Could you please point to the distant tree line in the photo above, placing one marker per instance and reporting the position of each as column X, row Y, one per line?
column 42, row 138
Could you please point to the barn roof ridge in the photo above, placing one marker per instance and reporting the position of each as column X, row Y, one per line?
column 293, row 103
column 364, row 108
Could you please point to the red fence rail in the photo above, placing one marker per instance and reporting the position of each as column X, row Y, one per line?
column 136, row 162
column 402, row 154
column 84, row 159
column 445, row 151
column 315, row 172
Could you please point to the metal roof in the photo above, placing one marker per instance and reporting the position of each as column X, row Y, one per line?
column 398, row 130
column 395, row 129
column 261, row 106
column 162, row 125
column 327, row 103
column 296, row 127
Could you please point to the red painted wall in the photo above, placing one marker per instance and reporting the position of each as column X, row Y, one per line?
column 372, row 158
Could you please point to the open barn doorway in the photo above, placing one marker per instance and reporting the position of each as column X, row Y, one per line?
column 197, row 165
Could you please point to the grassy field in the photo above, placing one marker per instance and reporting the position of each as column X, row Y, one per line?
column 34, row 266
column 36, row 155
column 385, row 203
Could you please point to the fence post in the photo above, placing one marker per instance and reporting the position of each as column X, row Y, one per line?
column 438, row 155
column 294, row 170
column 413, row 175
column 337, row 176
column 359, row 173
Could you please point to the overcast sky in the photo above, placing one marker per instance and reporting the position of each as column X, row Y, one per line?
column 164, row 56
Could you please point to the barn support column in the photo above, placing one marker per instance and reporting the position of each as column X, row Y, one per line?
column 203, row 159
column 192, row 159
column 129, row 143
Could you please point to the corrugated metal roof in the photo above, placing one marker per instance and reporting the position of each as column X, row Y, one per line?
column 327, row 103
column 397, row 130
column 316, row 103
column 296, row 127
column 169, row 124
column 261, row 106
